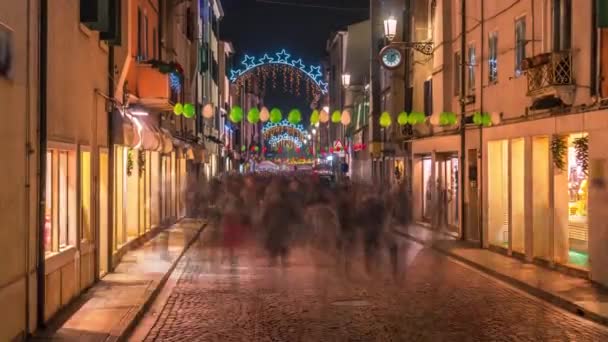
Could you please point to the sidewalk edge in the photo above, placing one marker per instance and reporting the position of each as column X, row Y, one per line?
column 125, row 329
column 521, row 285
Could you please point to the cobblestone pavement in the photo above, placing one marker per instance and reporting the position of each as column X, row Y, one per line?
column 433, row 299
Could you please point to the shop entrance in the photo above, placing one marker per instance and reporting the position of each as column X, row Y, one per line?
column 577, row 200
column 447, row 173
column 104, row 247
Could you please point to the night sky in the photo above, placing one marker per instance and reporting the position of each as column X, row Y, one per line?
column 255, row 27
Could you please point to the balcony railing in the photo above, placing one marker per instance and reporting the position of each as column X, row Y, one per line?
column 548, row 70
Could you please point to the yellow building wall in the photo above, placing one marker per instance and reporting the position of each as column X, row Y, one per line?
column 18, row 99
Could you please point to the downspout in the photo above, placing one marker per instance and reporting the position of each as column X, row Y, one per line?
column 29, row 151
column 480, row 154
column 40, row 275
column 463, row 70
column 595, row 58
column 110, row 218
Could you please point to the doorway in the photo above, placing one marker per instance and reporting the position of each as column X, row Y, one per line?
column 447, row 168
column 104, row 247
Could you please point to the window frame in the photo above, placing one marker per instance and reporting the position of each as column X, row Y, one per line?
column 471, row 72
column 520, row 44
column 493, row 57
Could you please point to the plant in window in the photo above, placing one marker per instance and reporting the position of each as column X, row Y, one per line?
column 559, row 149
column 130, row 162
column 141, row 162
column 581, row 145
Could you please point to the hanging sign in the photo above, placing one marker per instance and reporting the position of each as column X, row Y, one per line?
column 338, row 146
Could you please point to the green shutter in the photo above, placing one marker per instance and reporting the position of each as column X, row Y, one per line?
column 202, row 58
column 602, row 13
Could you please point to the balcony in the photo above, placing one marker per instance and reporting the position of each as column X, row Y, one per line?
column 549, row 74
column 155, row 89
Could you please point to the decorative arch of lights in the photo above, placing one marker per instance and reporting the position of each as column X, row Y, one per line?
column 271, row 129
column 285, row 139
column 282, row 58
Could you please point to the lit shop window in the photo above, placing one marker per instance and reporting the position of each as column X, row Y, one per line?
column 60, row 213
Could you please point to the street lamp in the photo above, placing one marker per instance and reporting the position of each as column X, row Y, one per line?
column 346, row 80
column 390, row 28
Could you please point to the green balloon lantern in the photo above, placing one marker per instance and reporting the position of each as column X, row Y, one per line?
column 178, row 109
column 275, row 115
column 443, row 119
column 242, row 148
column 402, row 119
column 385, row 119
column 314, row 117
column 486, row 120
column 253, row 116
column 415, row 118
column 336, row 116
column 257, row 148
column 294, row 116
column 189, row 111
column 477, row 117
column 236, row 114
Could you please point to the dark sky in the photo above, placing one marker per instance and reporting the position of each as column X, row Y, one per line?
column 256, row 27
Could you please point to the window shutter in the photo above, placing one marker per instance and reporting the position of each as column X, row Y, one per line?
column 602, row 13
column 95, row 14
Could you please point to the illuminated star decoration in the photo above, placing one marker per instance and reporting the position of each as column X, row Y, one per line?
column 284, row 58
column 276, row 139
column 175, row 82
column 248, row 62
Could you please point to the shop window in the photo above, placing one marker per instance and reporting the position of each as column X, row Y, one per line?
column 427, row 188
column 498, row 193
column 85, row 196
column 119, row 196
column 578, row 194
column 518, row 195
column 60, row 213
column 540, row 197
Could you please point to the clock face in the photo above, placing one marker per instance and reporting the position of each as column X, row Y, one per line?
column 391, row 57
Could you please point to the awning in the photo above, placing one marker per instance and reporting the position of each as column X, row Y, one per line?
column 167, row 141
column 150, row 138
column 123, row 130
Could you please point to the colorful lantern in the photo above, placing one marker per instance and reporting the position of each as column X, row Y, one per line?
column 345, row 119
column 402, row 119
column 314, row 117
column 385, row 119
column 208, row 111
column 294, row 116
column 323, row 116
column 178, row 109
column 264, row 114
column 189, row 111
column 335, row 117
column 253, row 116
column 236, row 114
column 275, row 115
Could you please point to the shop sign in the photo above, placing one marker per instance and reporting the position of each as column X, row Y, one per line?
column 338, row 146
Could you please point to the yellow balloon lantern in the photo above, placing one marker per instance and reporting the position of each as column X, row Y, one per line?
column 345, row 119
column 434, row 119
column 264, row 114
column 208, row 111
column 323, row 116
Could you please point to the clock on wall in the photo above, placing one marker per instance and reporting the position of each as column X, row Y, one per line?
column 391, row 57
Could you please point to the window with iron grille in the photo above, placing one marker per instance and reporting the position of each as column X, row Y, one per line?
column 493, row 57
column 457, row 65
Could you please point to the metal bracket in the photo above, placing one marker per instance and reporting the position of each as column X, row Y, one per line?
column 425, row 48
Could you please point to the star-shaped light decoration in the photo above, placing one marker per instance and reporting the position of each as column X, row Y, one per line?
column 315, row 72
column 298, row 64
column 283, row 57
column 266, row 59
column 248, row 62
column 323, row 86
column 234, row 74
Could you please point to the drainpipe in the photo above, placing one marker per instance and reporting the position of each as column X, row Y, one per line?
column 463, row 73
column 29, row 152
column 40, row 275
column 480, row 153
column 595, row 57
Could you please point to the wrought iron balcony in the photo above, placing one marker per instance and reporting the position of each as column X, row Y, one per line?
column 548, row 71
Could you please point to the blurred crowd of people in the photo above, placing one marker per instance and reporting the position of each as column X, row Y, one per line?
column 279, row 212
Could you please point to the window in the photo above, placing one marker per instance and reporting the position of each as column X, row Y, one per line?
column 520, row 44
column 493, row 57
column 145, row 38
column 85, row 196
column 189, row 24
column 457, row 65
column 60, row 209
column 140, row 40
column 562, row 24
column 428, row 97
column 154, row 46
column 471, row 67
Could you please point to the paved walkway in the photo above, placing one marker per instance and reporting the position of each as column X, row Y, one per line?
column 431, row 298
column 110, row 308
column 574, row 294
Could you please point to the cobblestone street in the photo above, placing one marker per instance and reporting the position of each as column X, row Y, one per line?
column 432, row 299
